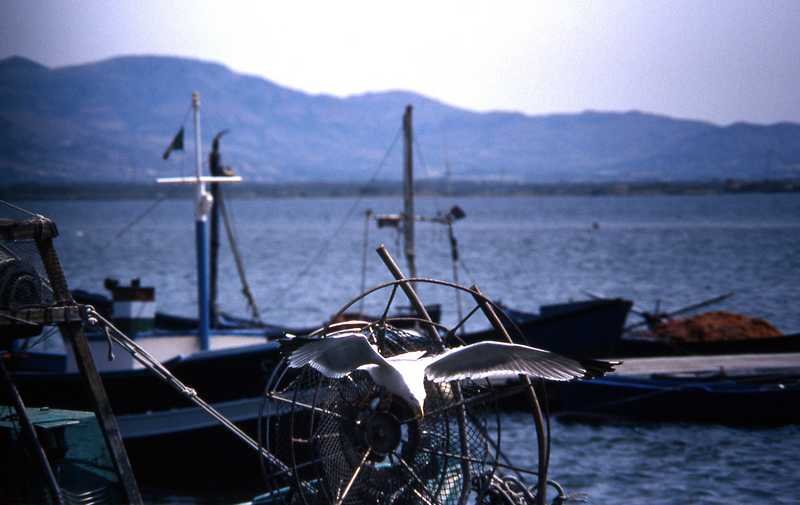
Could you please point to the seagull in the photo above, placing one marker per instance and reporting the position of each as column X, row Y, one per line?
column 405, row 374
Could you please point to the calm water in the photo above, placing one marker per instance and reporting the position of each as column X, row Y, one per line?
column 304, row 259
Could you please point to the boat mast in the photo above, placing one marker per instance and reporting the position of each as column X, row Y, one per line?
column 203, row 207
column 203, row 204
column 215, row 169
column 408, row 192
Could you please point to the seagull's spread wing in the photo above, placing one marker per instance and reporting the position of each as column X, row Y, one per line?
column 336, row 357
column 492, row 359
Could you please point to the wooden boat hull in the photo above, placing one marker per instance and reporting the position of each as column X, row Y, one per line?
column 171, row 442
column 651, row 347
column 587, row 329
column 747, row 400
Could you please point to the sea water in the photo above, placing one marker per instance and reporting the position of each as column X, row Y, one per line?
column 304, row 260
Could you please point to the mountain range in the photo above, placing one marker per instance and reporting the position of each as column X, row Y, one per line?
column 110, row 121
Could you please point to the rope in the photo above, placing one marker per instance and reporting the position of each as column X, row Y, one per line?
column 134, row 221
column 25, row 211
column 510, row 490
column 418, row 150
column 367, row 217
column 232, row 239
column 45, row 336
column 463, row 265
column 314, row 260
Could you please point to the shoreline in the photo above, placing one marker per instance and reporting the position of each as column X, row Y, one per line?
column 104, row 191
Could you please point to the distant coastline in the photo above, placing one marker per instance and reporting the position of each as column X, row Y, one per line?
column 101, row 191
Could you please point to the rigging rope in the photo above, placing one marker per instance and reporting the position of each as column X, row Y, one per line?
column 418, row 150
column 367, row 217
column 314, row 260
column 134, row 221
column 232, row 240
column 9, row 204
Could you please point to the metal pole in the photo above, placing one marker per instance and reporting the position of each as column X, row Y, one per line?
column 29, row 433
column 202, row 210
column 454, row 259
column 408, row 289
column 408, row 192
column 214, row 257
column 541, row 434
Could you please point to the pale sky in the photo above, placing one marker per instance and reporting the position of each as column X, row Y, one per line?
column 722, row 61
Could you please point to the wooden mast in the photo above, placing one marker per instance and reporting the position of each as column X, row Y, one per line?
column 408, row 192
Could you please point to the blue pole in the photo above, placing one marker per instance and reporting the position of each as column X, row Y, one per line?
column 203, row 284
column 202, row 211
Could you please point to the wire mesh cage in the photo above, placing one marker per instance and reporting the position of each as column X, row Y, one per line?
column 351, row 441
column 25, row 289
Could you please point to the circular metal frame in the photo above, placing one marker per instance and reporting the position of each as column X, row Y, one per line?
column 391, row 425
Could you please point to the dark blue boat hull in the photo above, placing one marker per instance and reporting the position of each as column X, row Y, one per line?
column 743, row 401
column 587, row 329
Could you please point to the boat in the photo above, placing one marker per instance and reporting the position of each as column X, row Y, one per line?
column 226, row 360
column 752, row 398
column 664, row 333
column 643, row 346
column 583, row 329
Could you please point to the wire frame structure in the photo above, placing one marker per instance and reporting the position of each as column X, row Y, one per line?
column 349, row 441
column 34, row 300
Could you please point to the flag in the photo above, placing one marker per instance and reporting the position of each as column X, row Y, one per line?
column 175, row 145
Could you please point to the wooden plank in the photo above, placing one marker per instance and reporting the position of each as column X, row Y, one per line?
column 728, row 362
column 41, row 315
column 37, row 228
column 73, row 333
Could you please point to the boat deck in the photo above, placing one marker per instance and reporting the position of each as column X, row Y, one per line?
column 729, row 363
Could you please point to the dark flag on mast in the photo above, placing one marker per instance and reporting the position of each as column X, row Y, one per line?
column 175, row 145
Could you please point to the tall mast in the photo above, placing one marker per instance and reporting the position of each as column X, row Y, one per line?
column 408, row 192
column 215, row 168
column 202, row 210
column 203, row 204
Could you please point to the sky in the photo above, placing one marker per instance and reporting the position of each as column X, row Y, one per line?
column 722, row 61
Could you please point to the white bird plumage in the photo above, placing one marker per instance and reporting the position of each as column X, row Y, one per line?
column 404, row 374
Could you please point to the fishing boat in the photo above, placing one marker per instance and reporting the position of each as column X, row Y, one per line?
column 753, row 398
column 583, row 328
column 674, row 333
column 226, row 360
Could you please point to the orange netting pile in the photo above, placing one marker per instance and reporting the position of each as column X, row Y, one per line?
column 715, row 327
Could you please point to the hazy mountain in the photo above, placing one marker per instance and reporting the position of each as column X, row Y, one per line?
column 111, row 120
